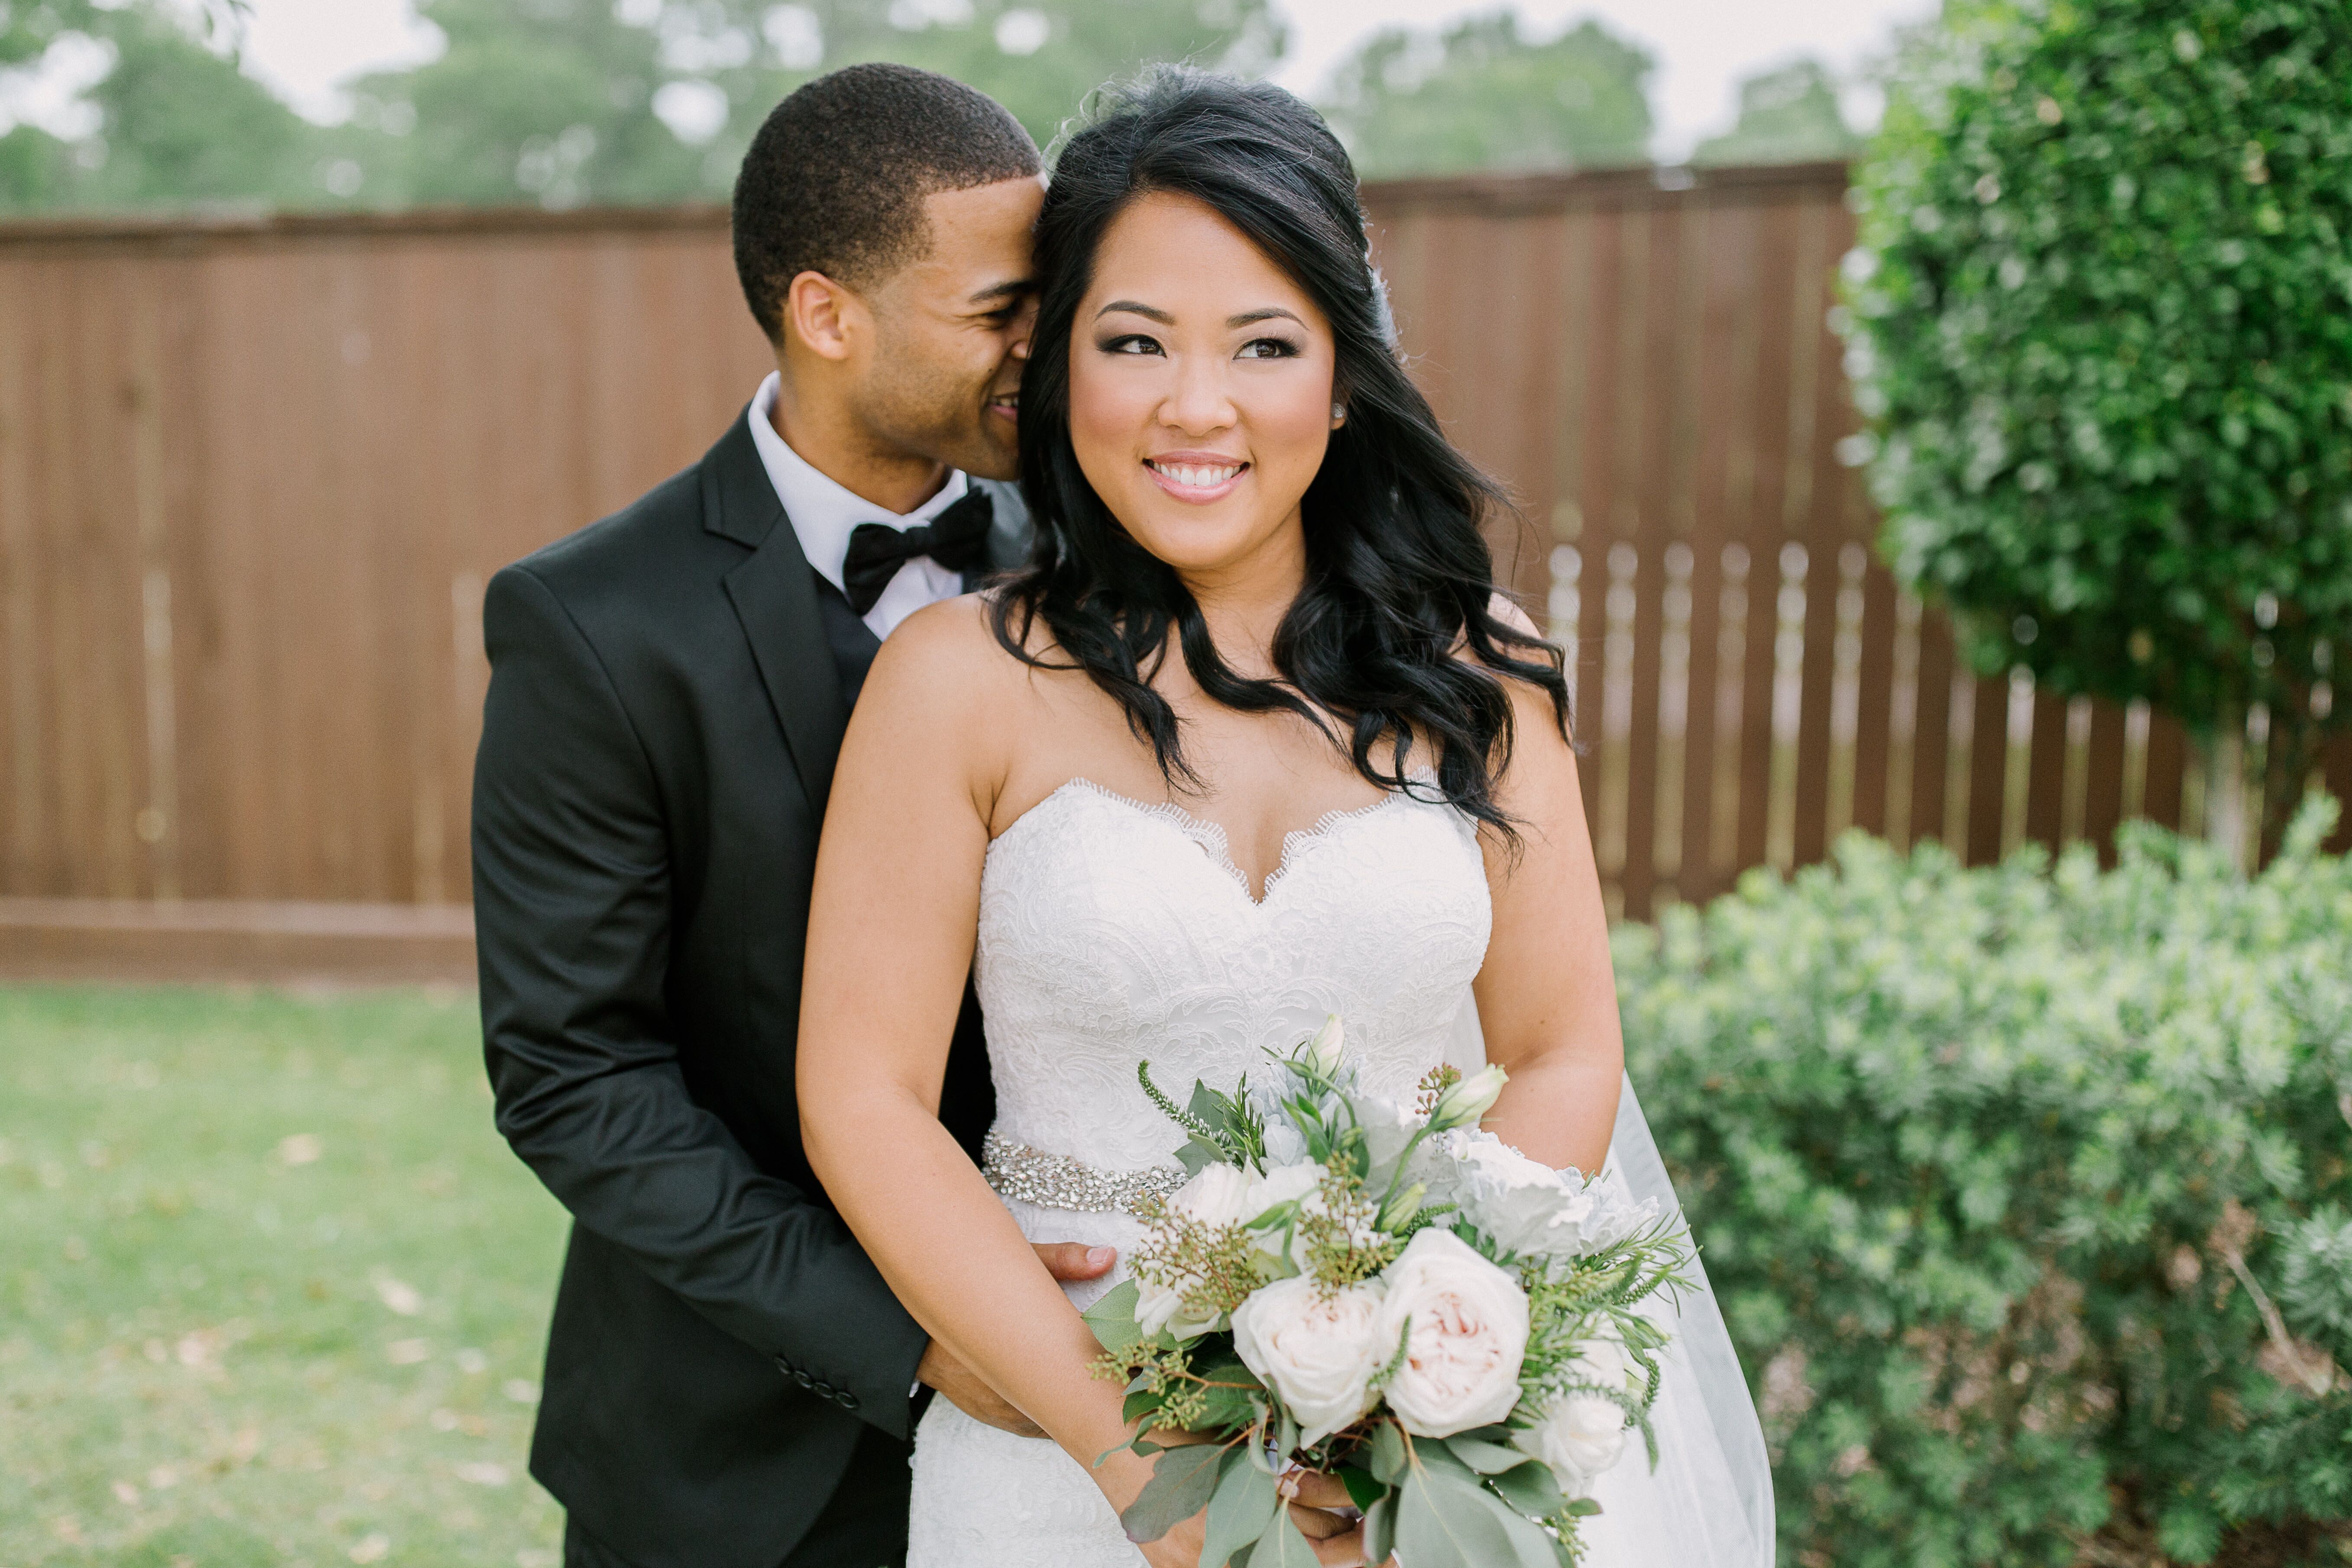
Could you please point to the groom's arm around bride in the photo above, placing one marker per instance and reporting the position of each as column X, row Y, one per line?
column 729, row 1380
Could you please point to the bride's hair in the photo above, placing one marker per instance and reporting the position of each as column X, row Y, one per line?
column 1399, row 582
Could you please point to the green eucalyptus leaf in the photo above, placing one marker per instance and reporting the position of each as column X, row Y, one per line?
column 1486, row 1458
column 1379, row 1530
column 1531, row 1489
column 1112, row 1319
column 1446, row 1521
column 1388, row 1452
column 1239, row 1511
column 1183, row 1481
column 1282, row 1545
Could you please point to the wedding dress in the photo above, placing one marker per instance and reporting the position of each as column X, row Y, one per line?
column 1112, row 931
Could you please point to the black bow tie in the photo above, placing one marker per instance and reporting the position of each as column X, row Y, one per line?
column 957, row 539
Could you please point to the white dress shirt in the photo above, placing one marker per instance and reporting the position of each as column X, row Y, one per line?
column 824, row 513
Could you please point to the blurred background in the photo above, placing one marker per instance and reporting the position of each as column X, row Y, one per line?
column 1931, row 435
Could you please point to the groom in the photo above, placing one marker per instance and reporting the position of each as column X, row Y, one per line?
column 729, row 1384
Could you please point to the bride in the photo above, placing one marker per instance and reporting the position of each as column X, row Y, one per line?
column 1253, row 739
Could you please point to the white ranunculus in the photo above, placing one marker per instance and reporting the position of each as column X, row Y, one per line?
column 1581, row 1435
column 1525, row 1205
column 1220, row 1194
column 1281, row 1185
column 1614, row 1216
column 1218, row 1197
column 1159, row 1307
column 1534, row 1210
column 1388, row 1127
column 1298, row 1183
column 1467, row 1337
column 1319, row 1353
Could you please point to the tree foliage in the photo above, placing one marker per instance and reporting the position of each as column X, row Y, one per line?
column 176, row 122
column 2026, row 1194
column 1787, row 115
column 1482, row 95
column 2100, row 322
column 559, row 102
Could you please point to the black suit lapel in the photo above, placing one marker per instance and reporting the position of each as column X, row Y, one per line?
column 774, row 594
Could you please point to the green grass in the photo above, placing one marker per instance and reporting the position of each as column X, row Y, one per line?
column 272, row 1291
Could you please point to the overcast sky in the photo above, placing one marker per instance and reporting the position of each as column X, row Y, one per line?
column 1703, row 46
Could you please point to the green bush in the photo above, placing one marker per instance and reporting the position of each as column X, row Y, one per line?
column 2026, row 1190
column 2100, row 320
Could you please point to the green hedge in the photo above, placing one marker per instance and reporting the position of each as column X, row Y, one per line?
column 1983, row 1163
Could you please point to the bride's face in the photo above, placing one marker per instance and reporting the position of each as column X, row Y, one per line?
column 1201, row 389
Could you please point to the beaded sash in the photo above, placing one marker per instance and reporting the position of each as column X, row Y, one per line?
column 1059, row 1182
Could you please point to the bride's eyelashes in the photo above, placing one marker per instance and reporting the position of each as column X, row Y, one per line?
column 1256, row 348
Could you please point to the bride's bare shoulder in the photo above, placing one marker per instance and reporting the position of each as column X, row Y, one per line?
column 946, row 663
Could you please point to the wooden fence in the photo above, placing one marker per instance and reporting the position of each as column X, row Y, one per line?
column 1647, row 359
column 253, row 475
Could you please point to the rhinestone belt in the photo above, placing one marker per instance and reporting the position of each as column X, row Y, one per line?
column 1059, row 1181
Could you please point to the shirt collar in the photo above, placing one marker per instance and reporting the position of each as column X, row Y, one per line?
column 821, row 511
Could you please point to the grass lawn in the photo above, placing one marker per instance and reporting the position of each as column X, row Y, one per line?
column 272, row 1291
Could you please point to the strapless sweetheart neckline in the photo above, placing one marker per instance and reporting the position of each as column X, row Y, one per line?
column 1210, row 837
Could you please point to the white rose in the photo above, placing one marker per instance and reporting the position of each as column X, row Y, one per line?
column 1580, row 1435
column 1319, row 1354
column 1468, row 1336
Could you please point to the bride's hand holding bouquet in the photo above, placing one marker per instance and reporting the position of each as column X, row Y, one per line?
column 1387, row 1295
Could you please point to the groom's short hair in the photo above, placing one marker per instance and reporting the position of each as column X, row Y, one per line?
column 834, row 181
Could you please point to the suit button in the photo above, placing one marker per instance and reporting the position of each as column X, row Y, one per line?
column 823, row 1390
column 804, row 1380
column 846, row 1400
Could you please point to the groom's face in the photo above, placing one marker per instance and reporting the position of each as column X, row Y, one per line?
column 942, row 379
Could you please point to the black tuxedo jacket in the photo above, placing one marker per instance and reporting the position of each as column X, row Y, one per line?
column 667, row 694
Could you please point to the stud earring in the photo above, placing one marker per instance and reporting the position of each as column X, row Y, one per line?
column 1338, row 411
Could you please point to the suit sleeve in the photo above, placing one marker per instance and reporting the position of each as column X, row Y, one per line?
column 571, row 901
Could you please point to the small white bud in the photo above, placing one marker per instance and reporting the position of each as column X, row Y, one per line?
column 1324, row 1051
column 1467, row 1102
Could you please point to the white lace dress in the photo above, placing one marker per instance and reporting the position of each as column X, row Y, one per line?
column 1111, row 931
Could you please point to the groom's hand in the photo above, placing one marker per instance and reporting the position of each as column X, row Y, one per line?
column 1067, row 1261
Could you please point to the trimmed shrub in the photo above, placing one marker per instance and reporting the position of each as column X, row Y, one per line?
column 2100, row 318
column 2026, row 1191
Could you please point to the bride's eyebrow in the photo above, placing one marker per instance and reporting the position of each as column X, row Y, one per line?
column 1135, row 308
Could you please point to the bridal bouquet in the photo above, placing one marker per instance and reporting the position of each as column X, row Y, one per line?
column 1388, row 1294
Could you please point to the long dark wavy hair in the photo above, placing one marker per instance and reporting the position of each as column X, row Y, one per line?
column 1399, row 580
